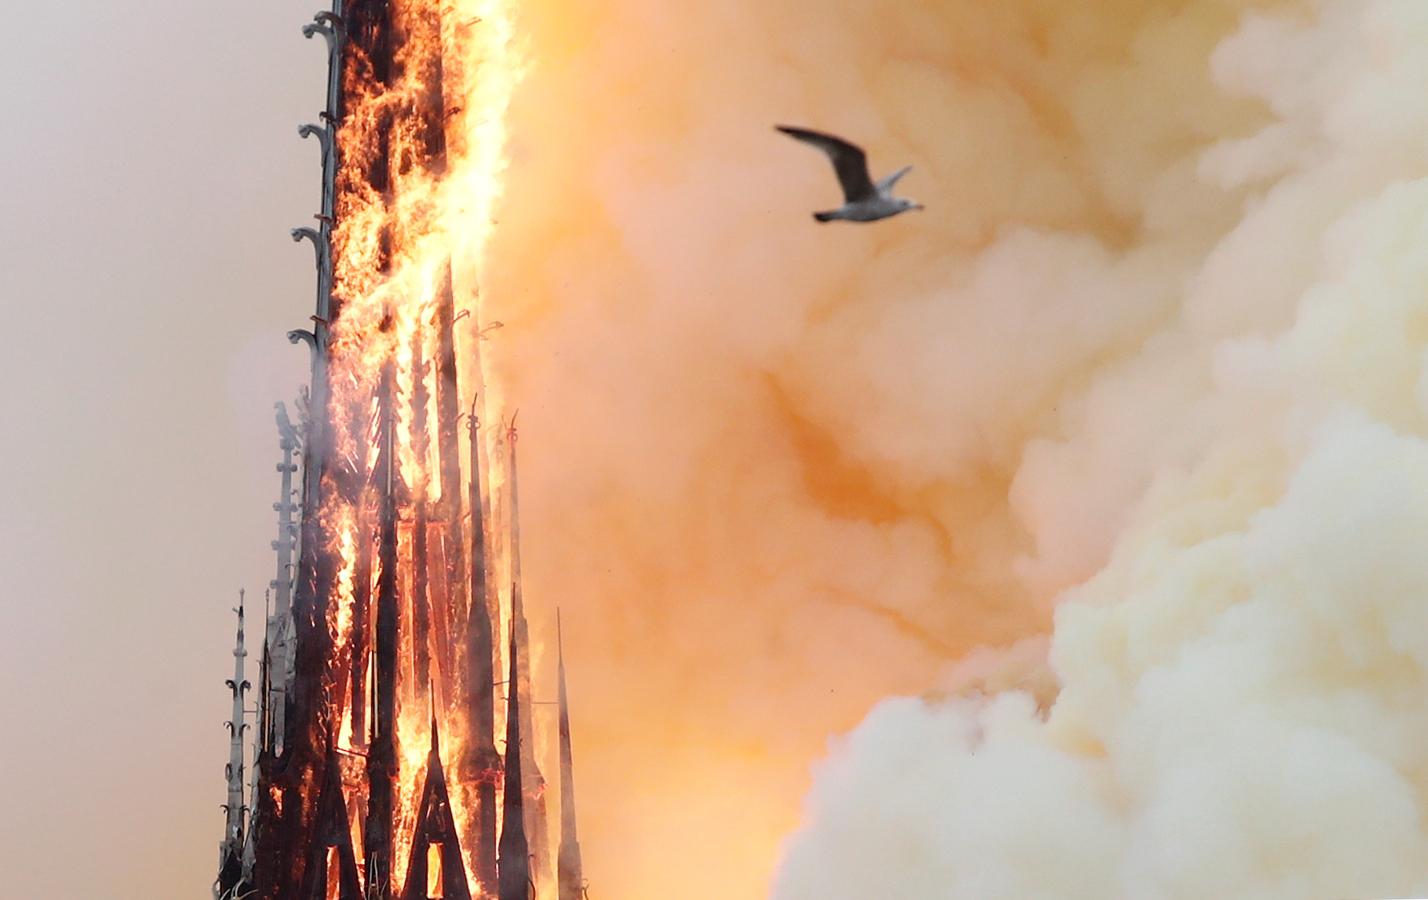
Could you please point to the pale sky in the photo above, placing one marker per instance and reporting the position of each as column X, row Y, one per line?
column 152, row 168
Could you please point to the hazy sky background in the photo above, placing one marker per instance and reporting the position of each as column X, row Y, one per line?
column 151, row 170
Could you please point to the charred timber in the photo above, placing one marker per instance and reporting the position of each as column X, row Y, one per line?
column 421, row 582
column 332, row 857
column 382, row 749
column 435, row 827
column 431, row 113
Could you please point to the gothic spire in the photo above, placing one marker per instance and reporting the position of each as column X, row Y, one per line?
column 569, row 874
column 483, row 763
column 436, row 868
column 533, row 780
column 515, row 872
column 382, row 752
column 230, row 851
column 260, row 742
column 332, row 859
column 279, row 634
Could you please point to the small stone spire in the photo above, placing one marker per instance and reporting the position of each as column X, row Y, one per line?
column 569, row 874
column 482, row 762
column 515, row 870
column 230, row 851
column 260, row 745
column 279, row 641
column 532, row 780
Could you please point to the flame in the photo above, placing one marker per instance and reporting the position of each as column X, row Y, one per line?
column 346, row 532
column 422, row 152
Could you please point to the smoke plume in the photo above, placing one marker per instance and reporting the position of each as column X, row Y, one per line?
column 1147, row 377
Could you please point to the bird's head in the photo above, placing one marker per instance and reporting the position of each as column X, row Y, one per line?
column 905, row 204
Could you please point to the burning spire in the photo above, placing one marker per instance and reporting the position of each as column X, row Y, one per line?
column 382, row 747
column 534, row 781
column 230, row 851
column 515, row 871
column 381, row 639
column 569, row 872
column 421, row 617
column 437, row 868
column 332, row 864
column 483, row 764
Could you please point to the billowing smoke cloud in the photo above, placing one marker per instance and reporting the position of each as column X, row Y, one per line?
column 1153, row 352
column 1241, row 711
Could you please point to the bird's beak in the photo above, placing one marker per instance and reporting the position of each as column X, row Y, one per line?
column 919, row 207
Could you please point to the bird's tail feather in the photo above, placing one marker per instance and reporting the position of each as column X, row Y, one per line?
column 825, row 216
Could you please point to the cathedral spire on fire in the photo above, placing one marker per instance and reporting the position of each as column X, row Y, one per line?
column 376, row 773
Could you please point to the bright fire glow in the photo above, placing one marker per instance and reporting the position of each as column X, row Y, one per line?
column 422, row 153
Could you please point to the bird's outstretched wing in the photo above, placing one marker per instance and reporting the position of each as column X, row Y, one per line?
column 887, row 184
column 849, row 161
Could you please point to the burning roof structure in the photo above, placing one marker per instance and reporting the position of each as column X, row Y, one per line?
column 376, row 769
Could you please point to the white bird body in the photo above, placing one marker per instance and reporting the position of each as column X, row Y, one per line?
column 865, row 210
column 863, row 201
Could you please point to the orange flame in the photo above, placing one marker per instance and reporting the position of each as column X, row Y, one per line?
column 434, row 131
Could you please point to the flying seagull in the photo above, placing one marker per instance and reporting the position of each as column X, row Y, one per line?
column 863, row 200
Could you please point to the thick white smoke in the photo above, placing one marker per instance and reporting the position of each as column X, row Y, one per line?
column 1242, row 680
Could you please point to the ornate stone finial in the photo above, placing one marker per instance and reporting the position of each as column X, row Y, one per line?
column 323, row 133
column 303, row 336
column 308, row 233
column 329, row 25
